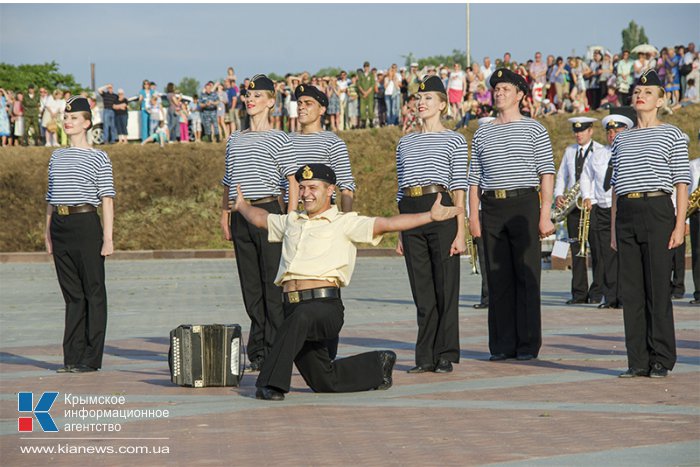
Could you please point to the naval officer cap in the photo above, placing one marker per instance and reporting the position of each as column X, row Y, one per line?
column 504, row 75
column 432, row 83
column 620, row 117
column 77, row 104
column 313, row 92
column 315, row 172
column 579, row 124
column 650, row 78
column 261, row 83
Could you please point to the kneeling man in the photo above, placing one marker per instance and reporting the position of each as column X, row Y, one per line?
column 318, row 258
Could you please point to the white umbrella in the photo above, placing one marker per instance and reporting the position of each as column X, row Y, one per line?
column 645, row 49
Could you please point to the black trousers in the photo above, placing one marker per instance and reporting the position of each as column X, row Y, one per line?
column 643, row 228
column 510, row 230
column 257, row 261
column 434, row 278
column 606, row 264
column 77, row 243
column 301, row 340
column 695, row 251
column 678, row 270
column 482, row 269
column 579, row 265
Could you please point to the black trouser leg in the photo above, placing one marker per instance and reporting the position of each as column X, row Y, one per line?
column 77, row 243
column 643, row 228
column 482, row 269
column 695, row 251
column 678, row 270
column 257, row 261
column 607, row 264
column 579, row 271
column 434, row 278
column 510, row 231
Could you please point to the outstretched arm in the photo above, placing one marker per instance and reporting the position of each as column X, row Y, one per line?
column 256, row 216
column 403, row 222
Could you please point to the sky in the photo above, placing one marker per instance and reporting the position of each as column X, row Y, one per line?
column 166, row 42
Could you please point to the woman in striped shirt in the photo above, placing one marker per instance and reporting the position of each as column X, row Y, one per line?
column 428, row 164
column 257, row 160
column 648, row 161
column 80, row 179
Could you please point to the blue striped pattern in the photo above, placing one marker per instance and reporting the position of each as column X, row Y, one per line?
column 510, row 155
column 258, row 161
column 327, row 148
column 649, row 159
column 79, row 176
column 438, row 158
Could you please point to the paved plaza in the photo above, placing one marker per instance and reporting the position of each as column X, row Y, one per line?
column 566, row 408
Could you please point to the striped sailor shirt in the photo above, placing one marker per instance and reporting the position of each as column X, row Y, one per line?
column 325, row 147
column 510, row 155
column 258, row 161
column 433, row 158
column 649, row 159
column 79, row 176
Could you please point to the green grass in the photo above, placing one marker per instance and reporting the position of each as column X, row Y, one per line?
column 169, row 198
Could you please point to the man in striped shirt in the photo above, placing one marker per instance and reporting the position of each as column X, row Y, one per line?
column 511, row 156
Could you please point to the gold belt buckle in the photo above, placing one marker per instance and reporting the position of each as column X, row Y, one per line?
column 634, row 195
column 63, row 210
column 293, row 297
column 500, row 194
column 415, row 191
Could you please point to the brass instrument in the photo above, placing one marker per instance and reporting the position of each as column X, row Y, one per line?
column 693, row 202
column 472, row 250
column 584, row 224
column 570, row 201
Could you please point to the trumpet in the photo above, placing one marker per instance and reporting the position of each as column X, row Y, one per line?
column 584, row 224
column 471, row 250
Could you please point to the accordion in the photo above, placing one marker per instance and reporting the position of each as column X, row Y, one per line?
column 206, row 355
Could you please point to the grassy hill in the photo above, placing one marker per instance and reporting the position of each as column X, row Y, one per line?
column 169, row 198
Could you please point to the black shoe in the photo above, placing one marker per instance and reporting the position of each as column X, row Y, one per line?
column 658, row 371
column 576, row 301
column 524, row 357
column 269, row 394
column 480, row 306
column 606, row 305
column 499, row 357
column 634, row 372
column 677, row 296
column 82, row 369
column 387, row 358
column 256, row 364
column 695, row 301
column 443, row 366
column 66, row 369
column 422, row 369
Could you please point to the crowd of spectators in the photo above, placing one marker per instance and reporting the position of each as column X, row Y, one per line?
column 365, row 97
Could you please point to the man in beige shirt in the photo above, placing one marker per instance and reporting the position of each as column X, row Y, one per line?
column 318, row 257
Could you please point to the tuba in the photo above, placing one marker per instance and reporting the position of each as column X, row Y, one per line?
column 570, row 199
column 693, row 203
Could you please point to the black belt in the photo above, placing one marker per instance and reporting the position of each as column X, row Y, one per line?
column 416, row 191
column 64, row 210
column 310, row 294
column 503, row 194
column 645, row 194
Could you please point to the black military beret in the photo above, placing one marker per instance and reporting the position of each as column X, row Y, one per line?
column 313, row 92
column 315, row 172
column 650, row 78
column 504, row 75
column 261, row 83
column 77, row 104
column 432, row 83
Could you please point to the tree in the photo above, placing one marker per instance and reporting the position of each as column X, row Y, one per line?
column 329, row 71
column 188, row 86
column 275, row 77
column 632, row 36
column 19, row 77
column 457, row 56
